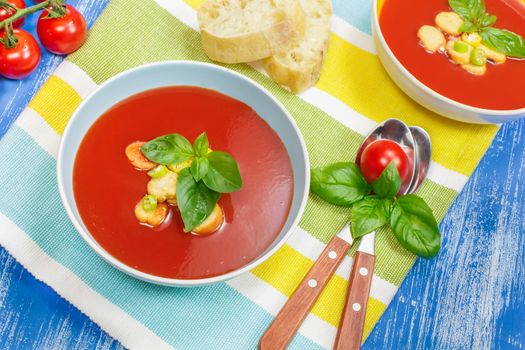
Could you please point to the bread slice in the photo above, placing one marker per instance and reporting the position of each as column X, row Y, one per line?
column 235, row 31
column 299, row 67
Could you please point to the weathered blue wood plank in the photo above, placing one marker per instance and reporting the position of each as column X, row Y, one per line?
column 33, row 316
column 471, row 297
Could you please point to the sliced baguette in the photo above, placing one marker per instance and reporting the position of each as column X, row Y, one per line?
column 299, row 67
column 235, row 31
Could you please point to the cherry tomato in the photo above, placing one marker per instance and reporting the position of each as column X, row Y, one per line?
column 4, row 14
column 62, row 35
column 20, row 61
column 378, row 154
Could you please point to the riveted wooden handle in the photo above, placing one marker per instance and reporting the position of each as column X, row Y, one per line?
column 293, row 313
column 352, row 322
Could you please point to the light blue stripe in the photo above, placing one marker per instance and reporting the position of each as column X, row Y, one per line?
column 215, row 317
column 355, row 12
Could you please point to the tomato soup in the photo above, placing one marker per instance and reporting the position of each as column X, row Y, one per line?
column 107, row 188
column 500, row 88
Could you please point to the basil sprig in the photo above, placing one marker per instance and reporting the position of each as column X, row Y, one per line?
column 369, row 214
column 194, row 199
column 340, row 184
column 476, row 19
column 414, row 226
column 503, row 41
column 168, row 149
column 223, row 173
column 198, row 186
column 410, row 218
column 473, row 13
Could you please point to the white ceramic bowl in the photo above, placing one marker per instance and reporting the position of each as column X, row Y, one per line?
column 183, row 73
column 429, row 98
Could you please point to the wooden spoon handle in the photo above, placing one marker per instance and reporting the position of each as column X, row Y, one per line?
column 293, row 313
column 352, row 322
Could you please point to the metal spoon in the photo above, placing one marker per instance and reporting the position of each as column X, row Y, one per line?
column 291, row 316
column 424, row 155
column 350, row 332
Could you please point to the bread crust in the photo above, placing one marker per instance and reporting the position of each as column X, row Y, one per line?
column 299, row 74
column 286, row 24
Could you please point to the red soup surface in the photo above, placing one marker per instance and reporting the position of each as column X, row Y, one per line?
column 501, row 88
column 107, row 187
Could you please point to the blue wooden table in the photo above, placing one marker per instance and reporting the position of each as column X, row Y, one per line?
column 471, row 297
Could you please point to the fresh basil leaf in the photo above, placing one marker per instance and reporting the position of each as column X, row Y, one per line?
column 470, row 10
column 487, row 20
column 463, row 8
column 194, row 199
column 168, row 149
column 369, row 214
column 223, row 175
column 201, row 144
column 504, row 41
column 467, row 27
column 199, row 168
column 414, row 226
column 340, row 184
column 388, row 183
column 477, row 8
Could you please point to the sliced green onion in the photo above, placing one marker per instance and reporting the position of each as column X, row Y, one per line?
column 158, row 171
column 460, row 46
column 149, row 202
column 478, row 57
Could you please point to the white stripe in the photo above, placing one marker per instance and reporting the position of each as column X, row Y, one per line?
column 76, row 77
column 353, row 35
column 338, row 110
column 31, row 122
column 324, row 101
column 307, row 245
column 184, row 12
column 446, row 177
column 119, row 324
column 271, row 300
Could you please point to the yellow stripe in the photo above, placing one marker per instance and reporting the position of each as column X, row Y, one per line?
column 374, row 311
column 56, row 102
column 357, row 78
column 330, row 304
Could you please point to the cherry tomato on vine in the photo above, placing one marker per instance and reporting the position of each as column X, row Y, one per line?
column 62, row 35
column 22, row 60
column 378, row 154
column 5, row 14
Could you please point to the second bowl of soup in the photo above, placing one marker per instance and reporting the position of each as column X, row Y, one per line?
column 462, row 61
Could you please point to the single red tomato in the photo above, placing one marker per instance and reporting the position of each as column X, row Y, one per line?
column 22, row 60
column 5, row 14
column 62, row 35
column 378, row 154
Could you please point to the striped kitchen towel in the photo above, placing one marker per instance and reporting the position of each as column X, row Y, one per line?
column 353, row 94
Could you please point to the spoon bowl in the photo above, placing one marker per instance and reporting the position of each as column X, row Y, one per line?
column 397, row 131
column 423, row 154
